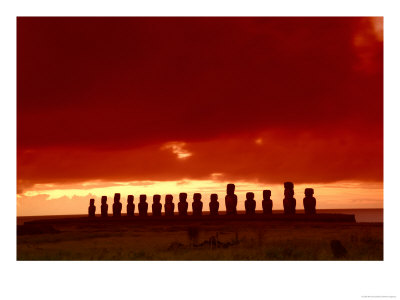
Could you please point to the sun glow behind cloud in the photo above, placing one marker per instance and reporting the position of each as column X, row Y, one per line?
column 178, row 149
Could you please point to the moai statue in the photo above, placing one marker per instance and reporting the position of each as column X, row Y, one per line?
column 197, row 205
column 214, row 205
column 289, row 202
column 92, row 208
column 130, row 207
column 250, row 204
column 169, row 206
column 182, row 204
column 156, row 206
column 104, row 206
column 309, row 202
column 230, row 199
column 143, row 206
column 267, row 202
column 117, row 206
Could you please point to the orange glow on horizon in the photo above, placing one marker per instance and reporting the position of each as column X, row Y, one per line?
column 53, row 199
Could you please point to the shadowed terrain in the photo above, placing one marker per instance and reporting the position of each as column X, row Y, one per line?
column 194, row 239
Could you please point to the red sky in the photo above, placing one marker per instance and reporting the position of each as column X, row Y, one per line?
column 258, row 100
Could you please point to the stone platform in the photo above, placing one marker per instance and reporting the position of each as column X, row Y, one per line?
column 278, row 217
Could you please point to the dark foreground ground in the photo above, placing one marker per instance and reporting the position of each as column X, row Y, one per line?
column 206, row 239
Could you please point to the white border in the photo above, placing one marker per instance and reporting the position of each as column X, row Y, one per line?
column 242, row 280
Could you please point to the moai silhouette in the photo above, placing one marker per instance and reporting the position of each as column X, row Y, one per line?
column 197, row 205
column 130, row 207
column 230, row 199
column 214, row 205
column 267, row 202
column 250, row 204
column 104, row 206
column 309, row 202
column 156, row 206
column 169, row 206
column 92, row 208
column 143, row 206
column 289, row 202
column 117, row 206
column 182, row 204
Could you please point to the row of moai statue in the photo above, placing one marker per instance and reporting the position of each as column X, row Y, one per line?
column 289, row 203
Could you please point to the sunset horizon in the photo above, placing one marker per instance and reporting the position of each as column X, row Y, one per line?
column 169, row 105
column 248, row 147
column 73, row 199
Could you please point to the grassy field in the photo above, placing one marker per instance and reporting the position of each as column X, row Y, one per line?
column 204, row 241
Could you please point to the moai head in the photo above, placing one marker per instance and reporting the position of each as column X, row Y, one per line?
column 168, row 198
column 117, row 197
column 288, row 185
column 214, row 197
column 143, row 198
column 250, row 196
column 309, row 192
column 182, row 197
column 289, row 193
column 103, row 199
column 196, row 196
column 91, row 202
column 230, row 189
column 130, row 199
column 266, row 194
column 156, row 198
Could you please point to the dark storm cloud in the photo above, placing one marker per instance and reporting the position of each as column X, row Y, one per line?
column 120, row 84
